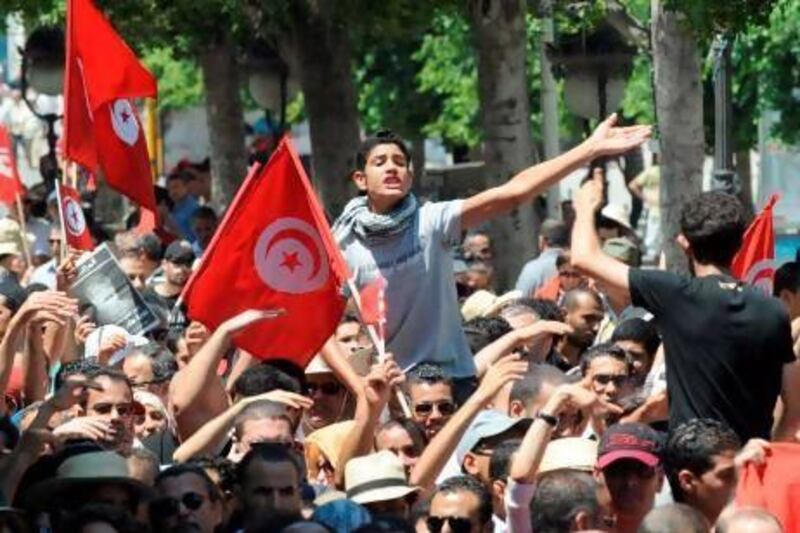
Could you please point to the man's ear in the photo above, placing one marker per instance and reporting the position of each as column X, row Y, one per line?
column 687, row 481
column 516, row 409
column 683, row 242
column 360, row 179
column 470, row 465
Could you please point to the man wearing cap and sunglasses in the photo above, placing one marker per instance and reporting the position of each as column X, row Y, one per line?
column 629, row 472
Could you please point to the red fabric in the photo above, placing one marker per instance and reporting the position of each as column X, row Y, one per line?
column 72, row 219
column 10, row 186
column 551, row 290
column 101, row 126
column 373, row 304
column 754, row 262
column 273, row 250
column 774, row 486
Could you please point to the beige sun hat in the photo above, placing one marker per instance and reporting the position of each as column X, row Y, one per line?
column 377, row 477
column 83, row 470
column 618, row 213
column 477, row 304
column 570, row 453
column 11, row 238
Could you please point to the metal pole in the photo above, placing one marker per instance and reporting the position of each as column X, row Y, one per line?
column 549, row 102
column 724, row 177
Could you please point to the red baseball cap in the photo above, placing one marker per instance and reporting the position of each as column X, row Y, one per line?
column 629, row 441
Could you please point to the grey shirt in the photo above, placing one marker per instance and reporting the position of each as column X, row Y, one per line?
column 537, row 272
column 422, row 317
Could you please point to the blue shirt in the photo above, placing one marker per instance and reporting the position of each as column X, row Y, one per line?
column 182, row 215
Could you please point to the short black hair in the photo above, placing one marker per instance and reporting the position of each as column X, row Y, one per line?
column 71, row 368
column 559, row 497
column 714, row 224
column 151, row 245
column 204, row 212
column 184, row 175
column 414, row 430
column 605, row 349
column 178, row 470
column 472, row 485
column 571, row 297
column 483, row 331
column 638, row 330
column 500, row 461
column 225, row 468
column 555, row 233
column 787, row 278
column 110, row 373
column 383, row 136
column 271, row 452
column 427, row 372
column 691, row 446
column 530, row 386
column 263, row 378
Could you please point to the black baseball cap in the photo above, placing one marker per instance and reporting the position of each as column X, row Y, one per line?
column 180, row 252
column 629, row 441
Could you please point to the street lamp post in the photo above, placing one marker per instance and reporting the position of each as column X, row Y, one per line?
column 724, row 177
column 269, row 83
column 43, row 71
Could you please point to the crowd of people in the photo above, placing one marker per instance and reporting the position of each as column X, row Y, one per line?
column 595, row 395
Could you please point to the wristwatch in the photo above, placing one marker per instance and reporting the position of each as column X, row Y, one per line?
column 551, row 420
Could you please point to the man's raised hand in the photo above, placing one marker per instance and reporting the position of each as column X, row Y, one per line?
column 608, row 139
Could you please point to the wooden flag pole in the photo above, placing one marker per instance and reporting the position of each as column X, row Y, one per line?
column 376, row 341
column 64, row 167
column 23, row 229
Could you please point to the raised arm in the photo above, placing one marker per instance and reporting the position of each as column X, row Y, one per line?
column 586, row 252
column 515, row 339
column 443, row 445
column 607, row 140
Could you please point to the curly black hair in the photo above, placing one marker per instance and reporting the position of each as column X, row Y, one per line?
column 384, row 136
column 714, row 224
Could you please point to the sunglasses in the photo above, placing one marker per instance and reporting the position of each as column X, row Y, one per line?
column 445, row 408
column 172, row 506
column 605, row 379
column 457, row 524
column 329, row 388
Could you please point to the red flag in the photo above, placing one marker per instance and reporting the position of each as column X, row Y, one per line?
column 72, row 220
column 273, row 250
column 373, row 305
column 755, row 261
column 101, row 126
column 10, row 185
column 774, row 485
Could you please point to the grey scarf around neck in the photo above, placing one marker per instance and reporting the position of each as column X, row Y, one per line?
column 357, row 218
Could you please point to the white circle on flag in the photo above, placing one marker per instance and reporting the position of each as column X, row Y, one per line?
column 73, row 215
column 289, row 256
column 123, row 120
column 760, row 275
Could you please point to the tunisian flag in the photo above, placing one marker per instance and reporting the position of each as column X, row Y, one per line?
column 273, row 250
column 101, row 126
column 755, row 261
column 10, row 185
column 72, row 220
column 775, row 485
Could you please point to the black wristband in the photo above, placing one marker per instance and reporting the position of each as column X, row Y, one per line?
column 551, row 420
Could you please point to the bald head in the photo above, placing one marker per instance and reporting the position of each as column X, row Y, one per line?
column 748, row 520
column 577, row 297
column 674, row 517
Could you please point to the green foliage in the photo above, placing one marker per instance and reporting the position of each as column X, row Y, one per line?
column 707, row 17
column 179, row 81
column 637, row 104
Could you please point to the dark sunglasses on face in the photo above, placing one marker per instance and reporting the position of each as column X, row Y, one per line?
column 457, row 524
column 605, row 379
column 426, row 408
column 171, row 506
column 328, row 388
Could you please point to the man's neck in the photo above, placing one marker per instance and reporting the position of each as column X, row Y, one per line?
column 168, row 290
column 570, row 352
column 701, row 271
column 627, row 523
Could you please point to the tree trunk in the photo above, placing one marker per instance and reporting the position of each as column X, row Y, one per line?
column 745, row 181
column 226, row 126
column 418, row 164
column 679, row 107
column 321, row 54
column 500, row 41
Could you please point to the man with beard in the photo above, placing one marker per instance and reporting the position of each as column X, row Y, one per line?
column 187, row 500
column 583, row 312
column 178, row 260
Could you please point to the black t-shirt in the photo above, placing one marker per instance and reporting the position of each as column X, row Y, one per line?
column 725, row 346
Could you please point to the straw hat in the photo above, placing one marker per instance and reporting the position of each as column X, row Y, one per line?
column 11, row 237
column 477, row 304
column 570, row 453
column 80, row 471
column 618, row 213
column 376, row 477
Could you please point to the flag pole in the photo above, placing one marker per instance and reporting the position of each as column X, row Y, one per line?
column 376, row 341
column 23, row 229
column 63, row 247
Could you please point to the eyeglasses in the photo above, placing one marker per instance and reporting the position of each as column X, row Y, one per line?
column 457, row 524
column 445, row 408
column 172, row 506
column 122, row 409
column 605, row 379
column 329, row 388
